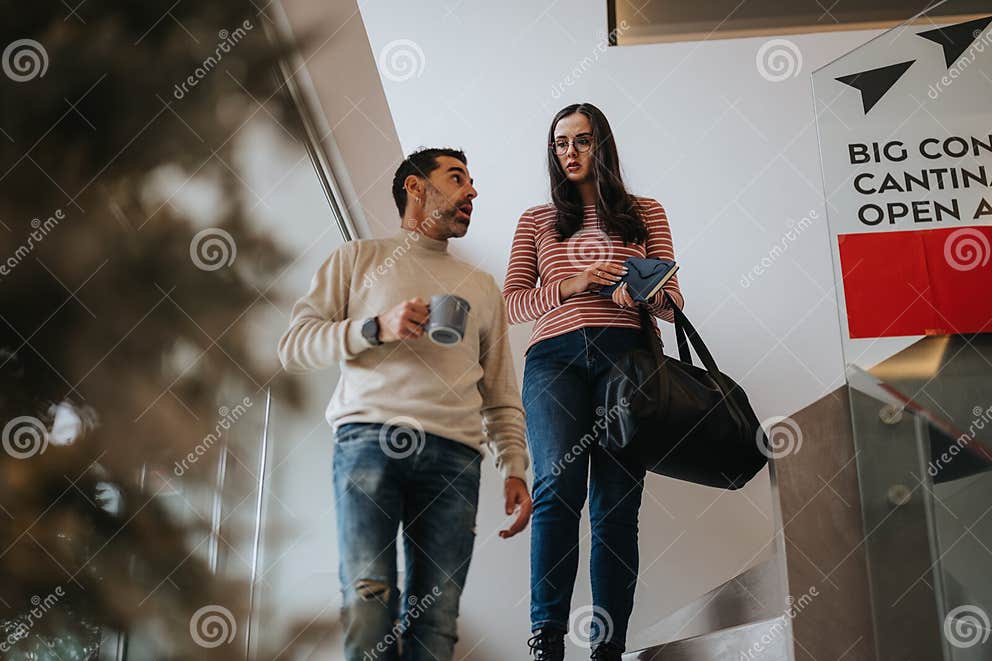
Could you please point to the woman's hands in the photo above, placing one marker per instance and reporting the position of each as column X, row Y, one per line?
column 599, row 275
column 591, row 279
column 622, row 297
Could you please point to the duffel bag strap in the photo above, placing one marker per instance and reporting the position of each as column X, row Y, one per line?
column 683, row 329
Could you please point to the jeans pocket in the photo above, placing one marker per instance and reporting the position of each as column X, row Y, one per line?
column 457, row 459
column 533, row 379
column 474, row 465
column 356, row 432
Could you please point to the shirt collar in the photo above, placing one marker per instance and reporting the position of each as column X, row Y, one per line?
column 422, row 240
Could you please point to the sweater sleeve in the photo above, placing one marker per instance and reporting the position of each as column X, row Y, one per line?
column 660, row 246
column 525, row 301
column 502, row 409
column 320, row 333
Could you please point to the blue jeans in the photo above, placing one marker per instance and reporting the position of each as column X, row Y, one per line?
column 563, row 394
column 431, row 487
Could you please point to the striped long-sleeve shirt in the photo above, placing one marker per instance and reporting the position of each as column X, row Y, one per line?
column 539, row 262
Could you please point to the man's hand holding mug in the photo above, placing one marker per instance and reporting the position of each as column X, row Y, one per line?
column 406, row 321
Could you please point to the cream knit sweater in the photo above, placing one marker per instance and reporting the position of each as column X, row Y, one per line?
column 466, row 392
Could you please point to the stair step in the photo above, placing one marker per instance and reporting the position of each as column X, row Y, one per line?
column 752, row 596
column 767, row 640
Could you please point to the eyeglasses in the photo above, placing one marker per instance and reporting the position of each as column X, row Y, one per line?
column 583, row 143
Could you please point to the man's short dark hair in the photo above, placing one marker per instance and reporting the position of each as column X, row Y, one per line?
column 420, row 163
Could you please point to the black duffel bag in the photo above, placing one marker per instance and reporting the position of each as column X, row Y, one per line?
column 680, row 420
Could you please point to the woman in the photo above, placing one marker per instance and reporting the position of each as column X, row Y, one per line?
column 562, row 254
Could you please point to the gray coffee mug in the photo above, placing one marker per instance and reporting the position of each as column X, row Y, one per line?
column 448, row 318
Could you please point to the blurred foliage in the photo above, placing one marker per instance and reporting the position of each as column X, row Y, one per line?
column 105, row 308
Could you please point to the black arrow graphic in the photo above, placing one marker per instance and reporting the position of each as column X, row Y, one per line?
column 874, row 84
column 957, row 38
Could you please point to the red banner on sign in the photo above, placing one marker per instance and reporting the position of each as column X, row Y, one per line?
column 923, row 282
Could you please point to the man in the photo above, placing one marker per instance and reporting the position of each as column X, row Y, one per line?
column 409, row 415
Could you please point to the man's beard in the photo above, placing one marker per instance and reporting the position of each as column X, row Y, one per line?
column 441, row 212
column 444, row 217
column 453, row 226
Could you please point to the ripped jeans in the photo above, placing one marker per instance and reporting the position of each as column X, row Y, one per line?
column 385, row 477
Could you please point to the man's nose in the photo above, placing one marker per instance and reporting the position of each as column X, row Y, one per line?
column 472, row 193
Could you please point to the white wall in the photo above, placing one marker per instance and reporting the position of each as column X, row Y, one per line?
column 734, row 159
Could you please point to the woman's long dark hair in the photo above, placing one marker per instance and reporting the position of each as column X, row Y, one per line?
column 615, row 207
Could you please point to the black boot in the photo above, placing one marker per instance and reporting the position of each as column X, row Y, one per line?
column 547, row 645
column 606, row 652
